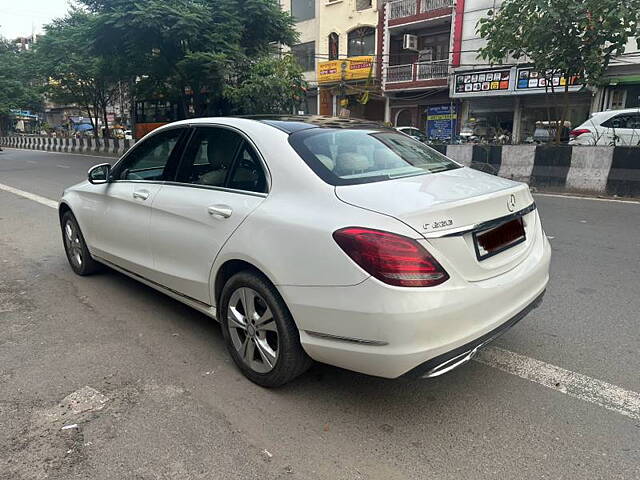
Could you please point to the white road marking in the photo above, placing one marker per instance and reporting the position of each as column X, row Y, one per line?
column 63, row 166
column 31, row 161
column 31, row 196
column 603, row 394
column 577, row 197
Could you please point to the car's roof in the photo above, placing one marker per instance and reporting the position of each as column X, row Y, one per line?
column 294, row 123
column 617, row 112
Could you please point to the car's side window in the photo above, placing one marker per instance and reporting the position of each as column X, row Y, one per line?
column 149, row 159
column 209, row 157
column 634, row 122
column 248, row 173
column 619, row 121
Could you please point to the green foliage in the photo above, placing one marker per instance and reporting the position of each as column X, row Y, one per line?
column 74, row 74
column 211, row 56
column 268, row 85
column 18, row 86
column 567, row 36
column 195, row 46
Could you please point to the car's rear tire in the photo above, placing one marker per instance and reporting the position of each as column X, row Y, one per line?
column 259, row 331
column 76, row 248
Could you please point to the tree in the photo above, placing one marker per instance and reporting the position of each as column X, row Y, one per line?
column 268, row 85
column 190, row 50
column 568, row 37
column 74, row 74
column 18, row 82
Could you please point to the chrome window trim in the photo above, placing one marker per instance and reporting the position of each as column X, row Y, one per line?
column 457, row 232
column 193, row 185
column 220, row 189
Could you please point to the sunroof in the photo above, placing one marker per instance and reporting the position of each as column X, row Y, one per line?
column 295, row 123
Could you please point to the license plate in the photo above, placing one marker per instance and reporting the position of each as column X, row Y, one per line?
column 495, row 240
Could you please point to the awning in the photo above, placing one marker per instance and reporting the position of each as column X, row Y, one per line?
column 625, row 80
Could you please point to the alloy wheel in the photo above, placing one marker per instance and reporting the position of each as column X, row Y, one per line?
column 74, row 244
column 253, row 330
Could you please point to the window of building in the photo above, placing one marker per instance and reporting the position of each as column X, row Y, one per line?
column 362, row 41
column 433, row 47
column 363, row 4
column 305, row 55
column 334, row 46
column 618, row 99
column 303, row 10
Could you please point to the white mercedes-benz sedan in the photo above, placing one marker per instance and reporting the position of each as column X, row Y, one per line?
column 312, row 238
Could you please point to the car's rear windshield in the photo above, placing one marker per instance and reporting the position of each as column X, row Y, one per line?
column 350, row 157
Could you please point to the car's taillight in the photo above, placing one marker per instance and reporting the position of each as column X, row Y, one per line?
column 579, row 131
column 391, row 258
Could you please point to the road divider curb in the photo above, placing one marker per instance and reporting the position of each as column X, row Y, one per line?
column 613, row 171
column 111, row 147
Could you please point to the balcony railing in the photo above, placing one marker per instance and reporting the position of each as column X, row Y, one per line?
column 408, row 8
column 432, row 70
column 402, row 8
column 400, row 73
column 429, row 5
column 418, row 72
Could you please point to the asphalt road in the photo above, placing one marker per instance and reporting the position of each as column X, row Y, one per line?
column 171, row 404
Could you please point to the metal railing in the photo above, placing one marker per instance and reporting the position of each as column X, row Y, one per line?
column 432, row 70
column 417, row 71
column 402, row 8
column 407, row 8
column 429, row 5
column 400, row 73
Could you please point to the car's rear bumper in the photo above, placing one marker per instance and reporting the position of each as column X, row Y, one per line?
column 391, row 331
column 448, row 361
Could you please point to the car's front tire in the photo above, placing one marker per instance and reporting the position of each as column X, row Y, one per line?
column 76, row 248
column 259, row 331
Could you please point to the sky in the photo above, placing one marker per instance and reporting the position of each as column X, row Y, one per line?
column 18, row 16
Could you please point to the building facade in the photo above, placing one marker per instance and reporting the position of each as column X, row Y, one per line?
column 417, row 46
column 433, row 79
column 338, row 49
column 512, row 99
column 621, row 84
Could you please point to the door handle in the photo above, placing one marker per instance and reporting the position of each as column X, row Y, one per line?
column 223, row 211
column 141, row 194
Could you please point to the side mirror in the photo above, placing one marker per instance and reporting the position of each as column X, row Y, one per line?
column 99, row 174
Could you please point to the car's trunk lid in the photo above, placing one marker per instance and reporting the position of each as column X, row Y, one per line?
column 444, row 207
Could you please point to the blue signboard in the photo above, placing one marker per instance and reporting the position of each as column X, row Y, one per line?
column 441, row 122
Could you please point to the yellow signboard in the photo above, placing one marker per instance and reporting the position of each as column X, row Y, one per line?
column 354, row 68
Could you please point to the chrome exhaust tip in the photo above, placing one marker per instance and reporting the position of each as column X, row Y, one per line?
column 452, row 363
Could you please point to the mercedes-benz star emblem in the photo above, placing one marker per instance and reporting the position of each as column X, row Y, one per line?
column 511, row 203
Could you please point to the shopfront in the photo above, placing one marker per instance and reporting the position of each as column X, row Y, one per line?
column 509, row 103
column 24, row 122
column 349, row 88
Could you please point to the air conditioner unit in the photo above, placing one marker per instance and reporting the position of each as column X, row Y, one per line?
column 410, row 42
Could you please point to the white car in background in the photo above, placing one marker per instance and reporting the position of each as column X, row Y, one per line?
column 316, row 238
column 413, row 133
column 613, row 127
